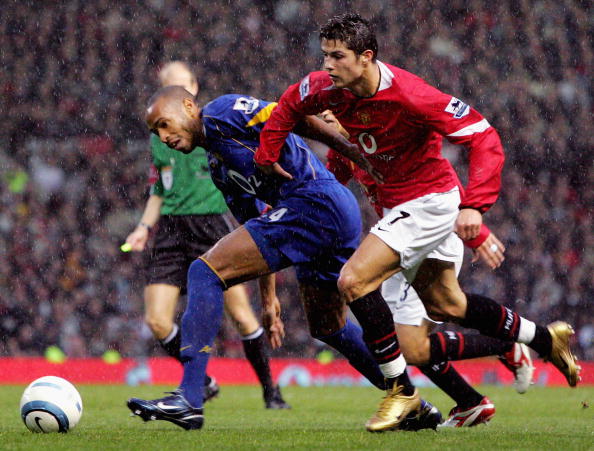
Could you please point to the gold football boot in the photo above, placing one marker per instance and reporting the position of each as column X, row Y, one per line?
column 393, row 409
column 561, row 355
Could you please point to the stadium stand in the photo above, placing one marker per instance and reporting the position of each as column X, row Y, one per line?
column 74, row 160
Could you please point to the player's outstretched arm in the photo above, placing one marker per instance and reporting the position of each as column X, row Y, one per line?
column 291, row 115
column 329, row 131
column 271, row 311
column 315, row 128
column 152, row 212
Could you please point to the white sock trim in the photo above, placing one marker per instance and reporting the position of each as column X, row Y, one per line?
column 253, row 335
column 171, row 335
column 394, row 368
column 527, row 331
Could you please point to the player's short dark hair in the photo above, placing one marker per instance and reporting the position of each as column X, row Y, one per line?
column 170, row 92
column 350, row 28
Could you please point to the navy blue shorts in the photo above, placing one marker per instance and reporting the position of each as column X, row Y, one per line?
column 316, row 229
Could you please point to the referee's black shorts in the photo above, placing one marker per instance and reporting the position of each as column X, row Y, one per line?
column 179, row 241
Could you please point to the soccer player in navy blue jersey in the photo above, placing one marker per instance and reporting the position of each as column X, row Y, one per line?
column 191, row 215
column 313, row 224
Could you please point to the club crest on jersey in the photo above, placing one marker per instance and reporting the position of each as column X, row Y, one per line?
column 364, row 117
column 167, row 177
column 457, row 108
column 304, row 88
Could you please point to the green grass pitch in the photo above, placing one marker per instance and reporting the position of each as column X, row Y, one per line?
column 329, row 418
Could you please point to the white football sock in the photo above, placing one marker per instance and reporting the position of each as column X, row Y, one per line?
column 527, row 331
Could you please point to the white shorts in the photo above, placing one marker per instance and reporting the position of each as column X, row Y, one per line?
column 404, row 302
column 422, row 228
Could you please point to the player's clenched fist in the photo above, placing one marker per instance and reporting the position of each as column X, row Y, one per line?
column 468, row 224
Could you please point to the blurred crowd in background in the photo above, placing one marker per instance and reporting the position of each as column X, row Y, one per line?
column 74, row 155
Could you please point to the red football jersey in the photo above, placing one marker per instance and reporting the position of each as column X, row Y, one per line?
column 399, row 130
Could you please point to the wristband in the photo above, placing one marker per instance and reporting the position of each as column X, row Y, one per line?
column 480, row 239
column 144, row 224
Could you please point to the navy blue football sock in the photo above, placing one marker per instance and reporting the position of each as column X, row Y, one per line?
column 349, row 342
column 200, row 324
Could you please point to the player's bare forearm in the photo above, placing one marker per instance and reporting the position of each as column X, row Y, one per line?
column 152, row 210
column 328, row 117
column 271, row 311
column 267, row 286
column 315, row 128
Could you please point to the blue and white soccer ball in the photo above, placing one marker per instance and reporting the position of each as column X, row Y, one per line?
column 51, row 404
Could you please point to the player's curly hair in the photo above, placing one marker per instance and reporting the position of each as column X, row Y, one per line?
column 353, row 30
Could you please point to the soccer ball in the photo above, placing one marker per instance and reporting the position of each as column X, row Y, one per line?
column 51, row 404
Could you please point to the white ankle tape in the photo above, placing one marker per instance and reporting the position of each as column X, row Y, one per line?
column 256, row 334
column 394, row 368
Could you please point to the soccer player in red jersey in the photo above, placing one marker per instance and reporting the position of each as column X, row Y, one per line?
column 413, row 325
column 398, row 122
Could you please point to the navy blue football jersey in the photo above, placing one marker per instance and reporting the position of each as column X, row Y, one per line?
column 232, row 126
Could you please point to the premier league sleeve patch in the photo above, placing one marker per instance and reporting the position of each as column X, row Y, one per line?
column 457, row 108
column 304, row 88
